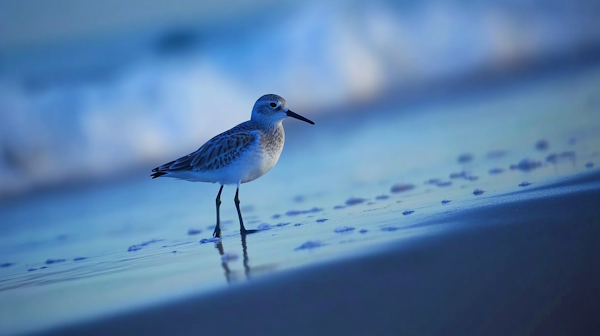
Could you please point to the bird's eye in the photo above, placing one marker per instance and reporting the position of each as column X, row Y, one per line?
column 273, row 105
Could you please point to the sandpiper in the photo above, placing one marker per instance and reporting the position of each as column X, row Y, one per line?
column 239, row 155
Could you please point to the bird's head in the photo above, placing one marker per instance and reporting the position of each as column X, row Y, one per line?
column 272, row 108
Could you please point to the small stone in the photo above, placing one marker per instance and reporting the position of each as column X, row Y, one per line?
column 321, row 220
column 54, row 261
column 407, row 212
column 444, row 183
column 542, row 145
column 355, row 200
column 446, row 201
column 401, row 187
column 193, row 232
column 458, row 175
column 526, row 165
column 524, row 184
column 341, row 229
column 478, row 192
column 465, row 158
column 311, row 244
column 495, row 171
column 363, row 231
column 303, row 212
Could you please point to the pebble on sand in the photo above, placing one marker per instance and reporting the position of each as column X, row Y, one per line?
column 193, row 232
column 54, row 261
column 524, row 184
column 311, row 244
column 495, row 171
column 542, row 145
column 457, row 175
column 355, row 200
column 443, row 183
column 478, row 192
column 407, row 212
column 363, row 231
column 526, row 165
column 303, row 212
column 400, row 187
column 344, row 228
column 465, row 158
column 446, row 201
column 321, row 220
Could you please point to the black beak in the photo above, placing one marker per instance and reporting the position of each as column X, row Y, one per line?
column 299, row 117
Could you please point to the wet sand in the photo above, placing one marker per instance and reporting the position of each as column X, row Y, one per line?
column 527, row 263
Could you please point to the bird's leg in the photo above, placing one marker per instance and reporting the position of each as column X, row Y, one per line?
column 243, row 230
column 217, row 232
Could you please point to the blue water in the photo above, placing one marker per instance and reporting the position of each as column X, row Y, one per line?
column 340, row 188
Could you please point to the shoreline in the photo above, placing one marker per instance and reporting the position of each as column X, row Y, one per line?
column 531, row 269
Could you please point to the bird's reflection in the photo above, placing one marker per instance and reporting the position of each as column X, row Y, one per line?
column 229, row 274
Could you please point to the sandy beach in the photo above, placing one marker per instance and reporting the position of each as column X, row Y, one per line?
column 527, row 265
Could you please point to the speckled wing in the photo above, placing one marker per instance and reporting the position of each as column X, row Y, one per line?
column 217, row 153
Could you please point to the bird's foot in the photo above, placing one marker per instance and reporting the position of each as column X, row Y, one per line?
column 217, row 232
column 247, row 232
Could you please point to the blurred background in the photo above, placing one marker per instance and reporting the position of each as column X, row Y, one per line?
column 91, row 90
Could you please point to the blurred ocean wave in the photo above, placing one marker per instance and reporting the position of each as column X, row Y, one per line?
column 78, row 108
